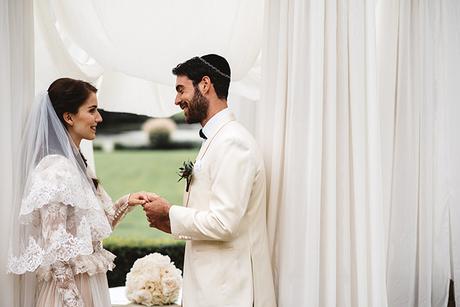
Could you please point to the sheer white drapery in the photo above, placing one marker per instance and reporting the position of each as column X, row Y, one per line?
column 319, row 129
column 131, row 46
column 358, row 122
column 418, row 62
column 16, row 94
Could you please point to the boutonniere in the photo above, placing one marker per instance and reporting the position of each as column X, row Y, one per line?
column 186, row 171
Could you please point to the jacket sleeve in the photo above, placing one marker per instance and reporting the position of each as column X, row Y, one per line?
column 232, row 179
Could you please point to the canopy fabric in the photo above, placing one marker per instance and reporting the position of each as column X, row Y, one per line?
column 130, row 47
column 319, row 129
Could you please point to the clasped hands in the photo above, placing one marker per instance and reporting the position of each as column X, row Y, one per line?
column 155, row 207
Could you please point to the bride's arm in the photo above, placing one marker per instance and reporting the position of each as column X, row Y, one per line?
column 121, row 208
column 125, row 204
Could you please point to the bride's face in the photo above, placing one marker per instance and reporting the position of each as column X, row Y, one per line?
column 83, row 124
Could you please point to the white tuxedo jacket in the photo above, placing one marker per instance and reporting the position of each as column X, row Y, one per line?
column 227, row 260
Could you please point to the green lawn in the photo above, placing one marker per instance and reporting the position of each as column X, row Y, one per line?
column 122, row 172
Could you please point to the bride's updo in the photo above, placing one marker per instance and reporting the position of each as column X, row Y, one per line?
column 67, row 95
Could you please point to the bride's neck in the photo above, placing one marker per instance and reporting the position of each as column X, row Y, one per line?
column 75, row 139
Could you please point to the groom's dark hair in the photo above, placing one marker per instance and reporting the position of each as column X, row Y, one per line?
column 214, row 66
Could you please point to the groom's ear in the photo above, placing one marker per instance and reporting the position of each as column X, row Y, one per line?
column 205, row 85
column 68, row 118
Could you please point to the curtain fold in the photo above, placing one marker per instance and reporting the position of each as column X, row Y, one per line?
column 418, row 107
column 130, row 47
column 358, row 126
column 320, row 133
column 16, row 94
column 448, row 91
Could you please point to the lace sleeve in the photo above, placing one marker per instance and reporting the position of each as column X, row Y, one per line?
column 63, row 276
column 62, row 238
column 121, row 208
column 53, row 216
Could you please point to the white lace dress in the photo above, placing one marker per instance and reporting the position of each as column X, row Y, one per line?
column 70, row 223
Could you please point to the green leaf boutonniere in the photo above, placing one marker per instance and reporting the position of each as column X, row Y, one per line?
column 186, row 171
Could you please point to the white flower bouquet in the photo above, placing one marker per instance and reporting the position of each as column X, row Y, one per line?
column 153, row 281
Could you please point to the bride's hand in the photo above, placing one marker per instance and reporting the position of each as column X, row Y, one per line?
column 139, row 198
column 151, row 196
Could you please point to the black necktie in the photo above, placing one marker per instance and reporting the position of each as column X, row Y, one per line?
column 202, row 135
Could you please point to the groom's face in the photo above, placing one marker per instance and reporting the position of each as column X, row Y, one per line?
column 190, row 100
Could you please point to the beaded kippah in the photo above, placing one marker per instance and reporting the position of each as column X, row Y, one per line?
column 213, row 67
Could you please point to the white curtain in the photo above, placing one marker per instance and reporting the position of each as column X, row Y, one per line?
column 359, row 126
column 130, row 47
column 16, row 94
column 419, row 72
column 319, row 129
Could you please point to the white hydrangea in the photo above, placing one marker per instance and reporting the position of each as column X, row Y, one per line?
column 153, row 281
column 159, row 124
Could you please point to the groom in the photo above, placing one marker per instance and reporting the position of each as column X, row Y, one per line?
column 223, row 217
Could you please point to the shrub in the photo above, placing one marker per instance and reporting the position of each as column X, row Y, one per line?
column 128, row 251
column 116, row 122
column 159, row 131
column 179, row 118
column 171, row 146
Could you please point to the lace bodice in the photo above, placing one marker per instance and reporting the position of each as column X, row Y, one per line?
column 66, row 222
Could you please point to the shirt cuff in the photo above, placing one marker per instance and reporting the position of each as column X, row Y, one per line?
column 177, row 217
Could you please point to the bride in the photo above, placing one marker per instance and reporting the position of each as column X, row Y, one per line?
column 61, row 212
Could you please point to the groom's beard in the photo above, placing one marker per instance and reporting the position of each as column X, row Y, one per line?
column 197, row 108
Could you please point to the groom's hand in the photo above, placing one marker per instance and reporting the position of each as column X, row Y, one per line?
column 157, row 212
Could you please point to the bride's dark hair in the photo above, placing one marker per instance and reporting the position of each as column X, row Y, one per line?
column 67, row 95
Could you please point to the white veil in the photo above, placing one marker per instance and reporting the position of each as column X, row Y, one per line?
column 44, row 137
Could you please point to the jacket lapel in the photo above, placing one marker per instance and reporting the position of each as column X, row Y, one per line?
column 206, row 145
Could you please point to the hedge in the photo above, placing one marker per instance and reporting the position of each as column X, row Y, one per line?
column 173, row 145
column 128, row 251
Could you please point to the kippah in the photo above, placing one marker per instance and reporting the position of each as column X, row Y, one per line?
column 214, row 66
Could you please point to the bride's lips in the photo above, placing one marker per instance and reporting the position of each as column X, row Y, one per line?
column 93, row 128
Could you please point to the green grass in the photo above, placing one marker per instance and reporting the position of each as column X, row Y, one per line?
column 123, row 172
